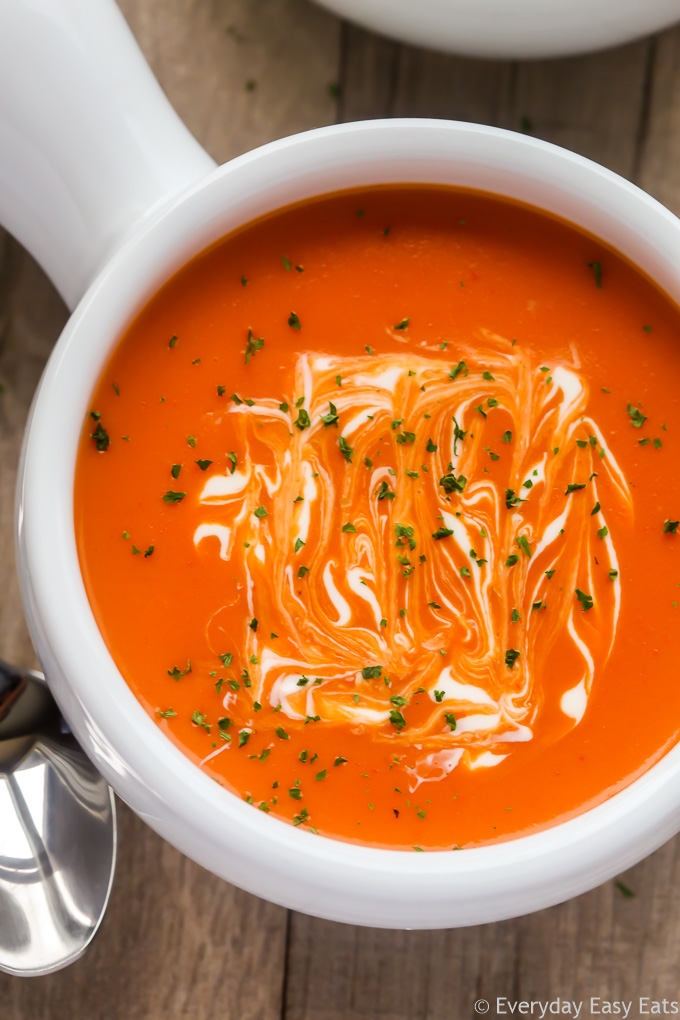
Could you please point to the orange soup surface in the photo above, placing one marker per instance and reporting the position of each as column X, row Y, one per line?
column 376, row 510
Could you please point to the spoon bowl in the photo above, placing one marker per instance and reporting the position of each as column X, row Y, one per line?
column 57, row 833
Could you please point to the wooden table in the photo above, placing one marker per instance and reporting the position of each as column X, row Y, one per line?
column 176, row 941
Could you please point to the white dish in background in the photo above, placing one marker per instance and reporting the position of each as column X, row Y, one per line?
column 104, row 185
column 512, row 29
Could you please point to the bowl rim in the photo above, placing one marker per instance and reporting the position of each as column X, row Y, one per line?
column 321, row 875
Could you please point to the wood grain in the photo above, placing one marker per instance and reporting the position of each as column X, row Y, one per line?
column 176, row 942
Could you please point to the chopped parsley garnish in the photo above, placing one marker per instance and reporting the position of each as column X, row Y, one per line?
column 511, row 657
column 523, row 543
column 253, row 624
column 339, row 760
column 403, row 324
column 597, row 272
column 176, row 673
column 585, row 600
column 281, row 733
column 231, row 457
column 603, row 532
column 596, row 509
column 515, row 617
column 511, row 500
column 487, row 375
column 465, row 572
column 397, row 719
column 549, row 573
column 294, row 321
column 173, row 342
column 574, row 487
column 451, row 720
column 253, row 345
column 198, row 719
column 302, row 571
column 299, row 544
column 204, row 464
column 260, row 511
column 349, row 527
column 441, row 533
column 431, row 447
column 345, row 449
column 100, row 435
column 637, row 418
column 385, row 492
column 613, row 574
column 173, row 497
column 243, row 738
column 332, row 417
column 286, row 263
column 175, row 470
column 670, row 527
column 456, row 371
column 450, row 483
column 169, row 713
column 371, row 672
column 302, row 421
column 511, row 560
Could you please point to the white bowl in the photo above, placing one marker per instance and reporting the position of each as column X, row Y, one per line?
column 512, row 29
column 290, row 866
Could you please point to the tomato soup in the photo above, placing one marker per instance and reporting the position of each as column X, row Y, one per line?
column 376, row 509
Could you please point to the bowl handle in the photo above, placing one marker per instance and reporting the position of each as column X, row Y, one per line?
column 89, row 144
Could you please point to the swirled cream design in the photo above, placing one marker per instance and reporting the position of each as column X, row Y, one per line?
column 426, row 524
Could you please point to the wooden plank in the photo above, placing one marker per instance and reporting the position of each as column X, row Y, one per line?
column 176, row 941
column 658, row 168
column 591, row 104
column 241, row 72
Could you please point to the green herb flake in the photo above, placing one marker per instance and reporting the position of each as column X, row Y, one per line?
column 403, row 324
column 260, row 511
column 345, row 449
column 294, row 321
column 371, row 672
column 176, row 673
column 597, row 272
column 585, row 600
column 637, row 418
column 523, row 543
column 173, row 497
column 511, row 657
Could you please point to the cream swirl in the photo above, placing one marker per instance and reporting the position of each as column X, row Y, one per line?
column 434, row 559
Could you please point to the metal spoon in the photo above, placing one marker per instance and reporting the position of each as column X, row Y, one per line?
column 57, row 832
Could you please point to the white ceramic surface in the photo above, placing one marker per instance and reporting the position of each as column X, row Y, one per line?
column 223, row 833
column 512, row 29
